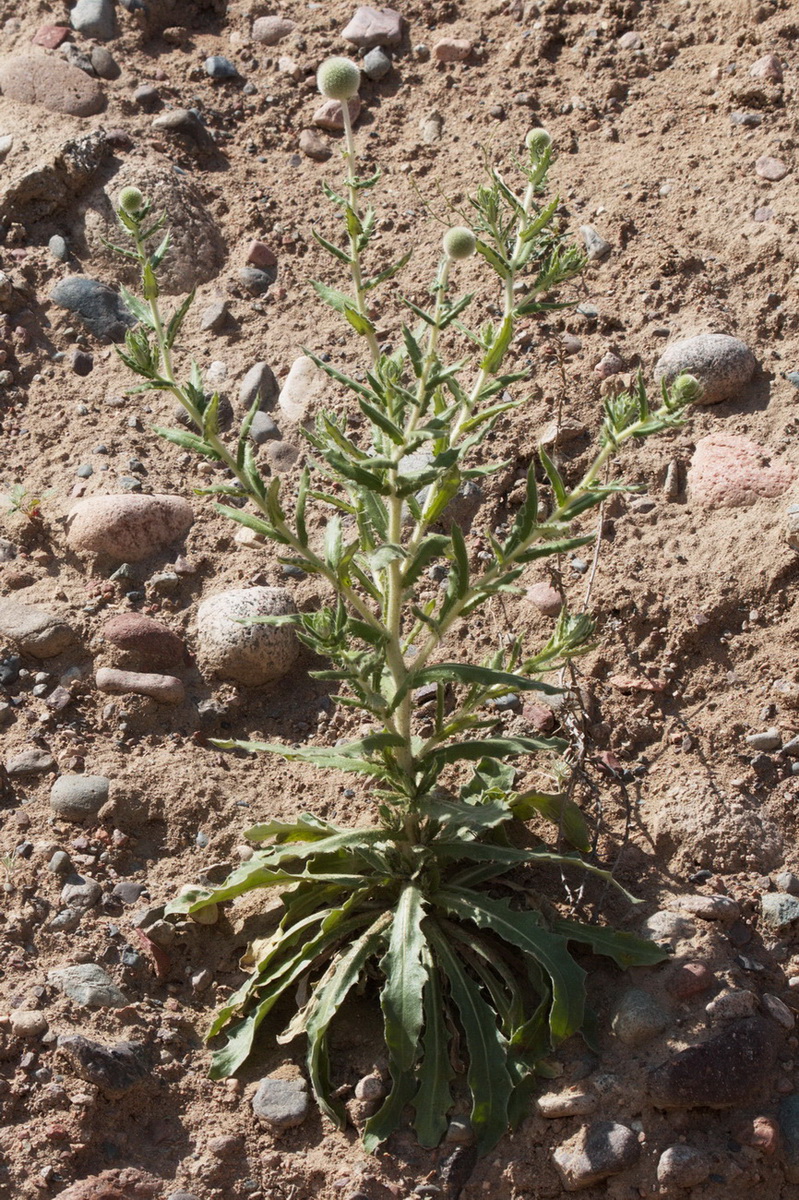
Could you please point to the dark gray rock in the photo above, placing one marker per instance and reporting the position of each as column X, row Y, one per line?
column 88, row 985
column 263, row 428
column 79, row 797
column 595, row 1153
column 257, row 281
column 376, row 64
column 215, row 317
column 96, row 305
column 114, row 1069
column 259, row 381
column 128, row 891
column 728, row 1069
column 147, row 98
column 104, row 64
column 185, row 122
column 94, row 19
column 30, row 762
column 219, row 67
column 281, row 1103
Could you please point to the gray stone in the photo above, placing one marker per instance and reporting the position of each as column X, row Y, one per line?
column 779, row 910
column 723, row 365
column 60, row 863
column 94, row 19
column 263, row 428
column 302, row 391
column 271, row 30
column 595, row 245
column 281, row 456
column 257, row 281
column 33, row 631
column 185, row 123
column 58, row 247
column 214, row 317
column 314, row 146
column 786, row 881
column 81, row 892
column 371, row 27
column 376, row 64
column 683, row 1167
column 99, row 307
column 249, row 654
column 67, row 920
column 114, row 1069
column 595, row 1153
column 76, row 58
column 30, row 762
column 88, row 985
column 259, row 381
column 724, row 1071
column 104, row 64
column 710, row 908
column 281, row 1103
column 147, row 98
column 769, row 739
column 554, row 1105
column 128, row 891
column 219, row 67
column 788, row 1117
column 666, row 926
column 639, row 1018
column 79, row 797
column 732, row 1004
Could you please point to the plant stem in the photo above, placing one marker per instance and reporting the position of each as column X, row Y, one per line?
column 355, row 254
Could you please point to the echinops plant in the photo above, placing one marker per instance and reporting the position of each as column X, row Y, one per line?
column 434, row 900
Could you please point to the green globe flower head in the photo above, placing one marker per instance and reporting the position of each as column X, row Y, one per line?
column 537, row 141
column 459, row 242
column 338, row 78
column 686, row 389
column 131, row 199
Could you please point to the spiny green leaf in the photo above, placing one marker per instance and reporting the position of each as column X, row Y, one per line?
column 625, row 949
column 387, row 1118
column 405, row 974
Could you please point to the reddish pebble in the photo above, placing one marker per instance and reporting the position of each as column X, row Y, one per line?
column 772, row 169
column 761, row 1132
column 329, row 115
column 451, row 50
column 539, row 717
column 50, row 36
column 260, row 255
column 148, row 642
column 544, row 597
column 689, row 979
column 768, row 67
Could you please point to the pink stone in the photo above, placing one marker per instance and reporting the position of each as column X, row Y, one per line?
column 728, row 471
column 271, row 30
column 314, row 146
column 372, row 27
column 51, row 84
column 147, row 641
column 127, row 528
column 610, row 364
column 164, row 688
column 128, row 1183
column 545, row 598
column 538, row 716
column 690, row 979
column 452, row 50
column 50, row 36
column 768, row 67
column 770, row 168
column 329, row 115
column 260, row 255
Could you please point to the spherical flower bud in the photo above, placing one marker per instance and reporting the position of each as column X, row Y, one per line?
column 538, row 140
column 131, row 199
column 459, row 242
column 338, row 78
column 686, row 389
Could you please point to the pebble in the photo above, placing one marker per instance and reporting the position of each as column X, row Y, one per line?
column 214, row 317
column 786, row 881
column 682, row 1167
column 60, row 863
column 32, row 630
column 595, row 1153
column 82, row 362
column 545, row 598
column 772, row 169
column 128, row 527
column 732, row 1004
column 255, row 281
column 370, row 1087
column 248, row 654
column 770, row 739
column 259, row 381
column 81, row 892
column 88, row 985
column 452, row 50
column 94, row 19
column 104, row 64
column 724, row 365
column 271, row 30
column 372, row 27
column 566, row 1104
column 76, row 58
column 281, row 456
column 638, row 1018
column 260, row 255
column 302, row 390
column 631, row 40
column 778, row 1010
column 79, row 797
column 760, row 1131
column 219, row 67
column 149, row 643
column 726, row 1070
column 595, row 245
column 114, row 1069
column 431, row 128
column 610, row 364
column 58, row 247
column 376, row 64
column 50, row 36
column 329, row 116
column 689, row 979
column 788, row 1117
column 710, row 908
column 281, row 1103
column 28, row 1023
column 126, row 1183
column 262, row 429
column 668, row 926
column 166, row 689
column 99, row 307
column 313, row 146
column 128, row 891
column 730, row 471
column 185, row 123
column 30, row 762
column 768, row 67
column 779, row 911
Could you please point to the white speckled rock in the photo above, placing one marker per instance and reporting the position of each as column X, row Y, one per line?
column 722, row 364
column 127, row 528
column 250, row 654
column 302, row 389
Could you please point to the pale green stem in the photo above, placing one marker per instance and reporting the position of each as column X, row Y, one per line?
column 355, row 255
